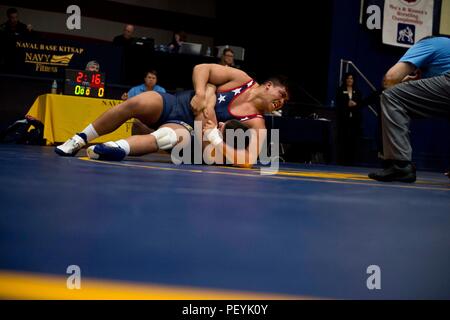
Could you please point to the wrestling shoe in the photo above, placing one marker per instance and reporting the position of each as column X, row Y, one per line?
column 106, row 151
column 397, row 171
column 72, row 146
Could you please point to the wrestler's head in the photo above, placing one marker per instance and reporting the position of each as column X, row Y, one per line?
column 232, row 125
column 275, row 92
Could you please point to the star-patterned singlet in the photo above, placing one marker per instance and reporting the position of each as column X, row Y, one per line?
column 225, row 100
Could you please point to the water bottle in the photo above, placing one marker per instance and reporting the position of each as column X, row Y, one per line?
column 208, row 51
column 54, row 87
column 332, row 104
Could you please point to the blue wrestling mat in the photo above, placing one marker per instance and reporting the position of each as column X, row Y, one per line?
column 145, row 228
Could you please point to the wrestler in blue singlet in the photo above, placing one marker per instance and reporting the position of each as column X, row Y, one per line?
column 177, row 107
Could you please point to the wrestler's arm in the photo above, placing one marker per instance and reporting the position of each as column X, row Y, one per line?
column 206, row 78
column 208, row 113
column 204, row 108
column 214, row 74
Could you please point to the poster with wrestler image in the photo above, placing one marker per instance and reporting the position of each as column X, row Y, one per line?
column 405, row 22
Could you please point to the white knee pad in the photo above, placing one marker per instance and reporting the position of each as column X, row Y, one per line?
column 166, row 138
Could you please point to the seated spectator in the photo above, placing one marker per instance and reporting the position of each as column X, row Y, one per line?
column 150, row 80
column 177, row 39
column 93, row 66
column 227, row 58
column 13, row 28
column 126, row 38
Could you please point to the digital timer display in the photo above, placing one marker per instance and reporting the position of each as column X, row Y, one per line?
column 84, row 83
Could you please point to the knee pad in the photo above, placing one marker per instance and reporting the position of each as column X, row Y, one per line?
column 166, row 138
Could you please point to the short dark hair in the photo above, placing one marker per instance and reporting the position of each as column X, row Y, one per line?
column 280, row 81
column 181, row 33
column 11, row 11
column 234, row 125
column 427, row 37
column 227, row 50
column 344, row 79
column 152, row 72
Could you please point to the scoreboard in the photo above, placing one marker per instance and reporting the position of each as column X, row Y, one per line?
column 84, row 83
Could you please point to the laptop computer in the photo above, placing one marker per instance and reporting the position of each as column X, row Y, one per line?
column 145, row 42
column 190, row 48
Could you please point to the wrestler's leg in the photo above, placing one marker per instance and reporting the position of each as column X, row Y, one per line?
column 144, row 144
column 138, row 128
column 166, row 137
column 146, row 107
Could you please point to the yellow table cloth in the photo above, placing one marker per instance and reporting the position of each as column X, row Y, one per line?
column 63, row 116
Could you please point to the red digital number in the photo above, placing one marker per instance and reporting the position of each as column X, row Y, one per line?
column 79, row 77
column 96, row 79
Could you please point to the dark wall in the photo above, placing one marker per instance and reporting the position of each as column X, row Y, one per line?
column 286, row 37
column 125, row 13
column 279, row 37
column 17, row 96
column 352, row 41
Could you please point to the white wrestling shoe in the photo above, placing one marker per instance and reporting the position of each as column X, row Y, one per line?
column 72, row 146
column 106, row 151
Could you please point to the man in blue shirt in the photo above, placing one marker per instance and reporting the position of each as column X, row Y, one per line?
column 150, row 80
column 405, row 94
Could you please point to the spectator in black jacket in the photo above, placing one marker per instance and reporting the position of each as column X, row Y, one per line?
column 13, row 28
column 348, row 103
column 126, row 38
column 177, row 38
column 10, row 31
